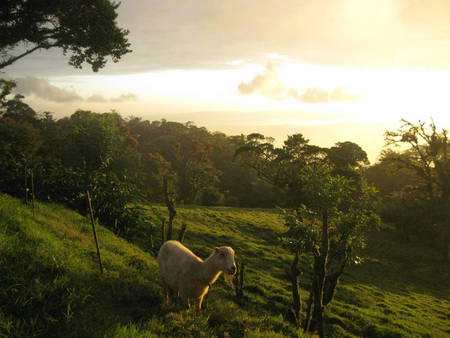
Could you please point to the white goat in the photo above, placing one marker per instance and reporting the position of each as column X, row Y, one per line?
column 188, row 276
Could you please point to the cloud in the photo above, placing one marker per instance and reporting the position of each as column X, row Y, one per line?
column 119, row 99
column 125, row 98
column 268, row 84
column 96, row 99
column 319, row 95
column 44, row 90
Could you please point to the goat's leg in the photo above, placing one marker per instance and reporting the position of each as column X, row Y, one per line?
column 166, row 292
column 200, row 301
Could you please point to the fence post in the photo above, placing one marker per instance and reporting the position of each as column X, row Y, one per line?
column 26, row 183
column 163, row 231
column 182, row 233
column 91, row 213
column 32, row 191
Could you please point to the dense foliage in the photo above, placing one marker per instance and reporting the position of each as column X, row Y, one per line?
column 121, row 162
column 85, row 29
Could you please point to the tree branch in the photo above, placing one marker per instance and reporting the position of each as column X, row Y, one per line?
column 13, row 59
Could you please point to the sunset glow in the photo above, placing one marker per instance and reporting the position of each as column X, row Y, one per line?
column 265, row 63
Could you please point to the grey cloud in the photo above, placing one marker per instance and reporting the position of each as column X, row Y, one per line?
column 44, row 90
column 209, row 34
column 269, row 85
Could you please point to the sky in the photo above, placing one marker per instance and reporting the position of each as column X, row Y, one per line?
column 333, row 70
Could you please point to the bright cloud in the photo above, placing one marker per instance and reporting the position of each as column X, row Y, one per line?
column 269, row 85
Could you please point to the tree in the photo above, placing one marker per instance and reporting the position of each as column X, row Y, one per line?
column 428, row 156
column 85, row 29
column 346, row 157
column 19, row 144
column 330, row 227
column 388, row 177
column 336, row 209
column 6, row 87
column 281, row 166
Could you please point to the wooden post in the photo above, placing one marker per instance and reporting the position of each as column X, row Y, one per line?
column 170, row 207
column 115, row 227
column 32, row 192
column 182, row 233
column 238, row 280
column 91, row 213
column 163, row 231
column 26, row 183
column 152, row 245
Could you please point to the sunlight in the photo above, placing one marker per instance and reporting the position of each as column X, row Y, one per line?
column 383, row 95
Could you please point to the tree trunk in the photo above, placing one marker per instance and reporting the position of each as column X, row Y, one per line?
column 331, row 281
column 320, row 262
column 307, row 324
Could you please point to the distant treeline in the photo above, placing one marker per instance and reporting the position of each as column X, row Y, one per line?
column 123, row 161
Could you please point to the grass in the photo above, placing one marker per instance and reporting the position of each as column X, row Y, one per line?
column 51, row 285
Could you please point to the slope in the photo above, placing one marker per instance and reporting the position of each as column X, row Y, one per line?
column 51, row 286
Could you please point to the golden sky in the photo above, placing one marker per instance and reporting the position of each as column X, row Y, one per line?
column 334, row 70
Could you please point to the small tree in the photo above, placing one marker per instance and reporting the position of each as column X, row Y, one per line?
column 330, row 227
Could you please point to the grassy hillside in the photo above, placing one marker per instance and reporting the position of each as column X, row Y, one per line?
column 50, row 278
column 51, row 286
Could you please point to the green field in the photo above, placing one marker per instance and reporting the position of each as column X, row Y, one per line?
column 51, row 285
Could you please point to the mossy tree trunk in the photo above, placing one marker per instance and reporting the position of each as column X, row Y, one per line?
column 320, row 263
column 296, row 299
column 331, row 282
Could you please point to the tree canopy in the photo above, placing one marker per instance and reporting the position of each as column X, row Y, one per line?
column 86, row 30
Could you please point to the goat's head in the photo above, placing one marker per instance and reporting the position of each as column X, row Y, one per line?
column 225, row 259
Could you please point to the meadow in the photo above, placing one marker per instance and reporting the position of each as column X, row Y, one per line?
column 52, row 287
